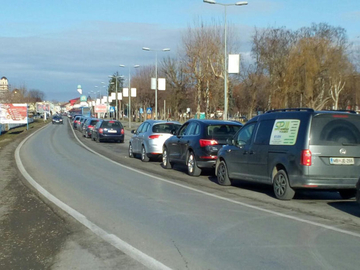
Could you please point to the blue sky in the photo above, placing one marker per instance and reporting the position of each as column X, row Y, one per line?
column 55, row 45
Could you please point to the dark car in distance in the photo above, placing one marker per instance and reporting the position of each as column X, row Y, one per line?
column 108, row 130
column 57, row 119
column 197, row 143
column 293, row 149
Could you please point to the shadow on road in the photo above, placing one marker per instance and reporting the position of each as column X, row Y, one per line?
column 351, row 207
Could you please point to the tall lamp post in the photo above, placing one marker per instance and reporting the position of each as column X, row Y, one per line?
column 156, row 73
column 129, row 86
column 225, row 115
column 116, row 95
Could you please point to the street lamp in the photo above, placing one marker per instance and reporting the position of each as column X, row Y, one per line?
column 116, row 95
column 129, row 86
column 156, row 73
column 241, row 3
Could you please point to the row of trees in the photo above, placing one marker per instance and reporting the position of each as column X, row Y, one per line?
column 22, row 95
column 312, row 67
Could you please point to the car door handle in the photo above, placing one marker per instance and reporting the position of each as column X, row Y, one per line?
column 251, row 152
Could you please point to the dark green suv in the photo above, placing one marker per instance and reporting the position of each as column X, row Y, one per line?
column 295, row 149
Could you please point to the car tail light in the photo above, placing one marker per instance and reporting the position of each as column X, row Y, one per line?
column 122, row 131
column 340, row 116
column 90, row 126
column 208, row 157
column 204, row 142
column 154, row 136
column 306, row 157
column 101, row 130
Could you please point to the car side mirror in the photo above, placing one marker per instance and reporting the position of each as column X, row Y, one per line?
column 173, row 132
column 133, row 131
column 230, row 141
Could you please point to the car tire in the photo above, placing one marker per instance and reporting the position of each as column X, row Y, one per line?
column 347, row 193
column 166, row 164
column 144, row 157
column 281, row 186
column 121, row 141
column 191, row 164
column 223, row 175
column 131, row 153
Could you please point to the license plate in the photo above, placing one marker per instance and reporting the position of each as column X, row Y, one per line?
column 341, row 161
column 112, row 131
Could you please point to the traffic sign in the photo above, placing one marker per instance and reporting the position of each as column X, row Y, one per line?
column 149, row 110
column 141, row 110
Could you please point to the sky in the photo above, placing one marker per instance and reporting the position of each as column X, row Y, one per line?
column 56, row 45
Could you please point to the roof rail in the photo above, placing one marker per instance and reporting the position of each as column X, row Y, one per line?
column 291, row 109
column 348, row 111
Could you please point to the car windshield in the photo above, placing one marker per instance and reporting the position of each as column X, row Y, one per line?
column 335, row 129
column 111, row 124
column 166, row 128
column 221, row 131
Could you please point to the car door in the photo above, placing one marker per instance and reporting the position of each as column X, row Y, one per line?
column 237, row 157
column 142, row 135
column 135, row 138
column 259, row 152
column 174, row 149
column 186, row 139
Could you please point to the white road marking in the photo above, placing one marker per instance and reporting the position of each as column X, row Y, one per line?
column 110, row 238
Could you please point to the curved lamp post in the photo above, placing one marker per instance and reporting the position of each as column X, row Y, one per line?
column 156, row 73
column 129, row 86
column 225, row 114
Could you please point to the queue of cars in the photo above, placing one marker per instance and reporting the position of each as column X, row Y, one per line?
column 290, row 149
column 99, row 130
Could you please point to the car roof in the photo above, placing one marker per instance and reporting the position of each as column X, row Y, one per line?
column 216, row 122
column 162, row 122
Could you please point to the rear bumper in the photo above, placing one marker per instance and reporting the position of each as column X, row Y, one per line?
column 206, row 163
column 114, row 137
column 322, row 183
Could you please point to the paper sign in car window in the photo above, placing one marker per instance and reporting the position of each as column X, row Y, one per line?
column 284, row 132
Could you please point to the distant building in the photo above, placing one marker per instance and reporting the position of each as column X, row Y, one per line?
column 4, row 89
column 4, row 85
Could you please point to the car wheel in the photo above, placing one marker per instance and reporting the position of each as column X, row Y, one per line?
column 144, row 157
column 192, row 167
column 131, row 154
column 281, row 185
column 121, row 141
column 347, row 193
column 166, row 160
column 222, row 175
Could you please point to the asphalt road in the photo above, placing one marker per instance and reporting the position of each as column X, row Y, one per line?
column 192, row 223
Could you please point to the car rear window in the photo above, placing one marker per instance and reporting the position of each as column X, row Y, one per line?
column 111, row 124
column 335, row 129
column 93, row 122
column 221, row 131
column 165, row 128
